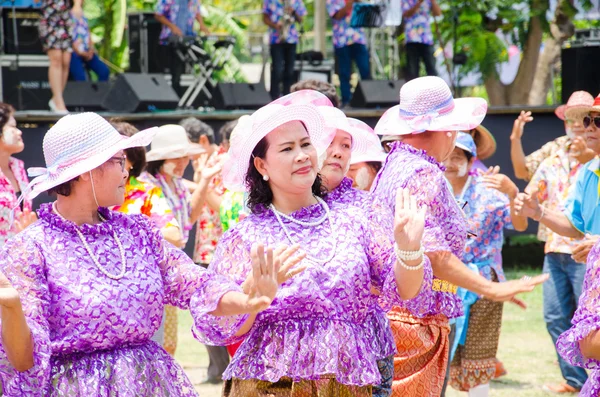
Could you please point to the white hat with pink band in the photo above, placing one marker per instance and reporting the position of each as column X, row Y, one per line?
column 368, row 141
column 427, row 104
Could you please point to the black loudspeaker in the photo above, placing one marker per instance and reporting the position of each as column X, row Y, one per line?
column 580, row 70
column 376, row 94
column 27, row 21
column 228, row 96
column 133, row 92
column 85, row 96
column 146, row 55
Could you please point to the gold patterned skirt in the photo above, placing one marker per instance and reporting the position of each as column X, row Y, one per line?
column 171, row 322
column 422, row 358
column 326, row 386
column 475, row 363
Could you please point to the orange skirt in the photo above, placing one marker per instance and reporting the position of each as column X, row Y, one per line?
column 422, row 358
column 326, row 386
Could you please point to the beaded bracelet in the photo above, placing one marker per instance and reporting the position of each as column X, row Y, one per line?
column 417, row 267
column 408, row 255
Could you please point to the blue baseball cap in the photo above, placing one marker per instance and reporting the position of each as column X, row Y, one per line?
column 465, row 142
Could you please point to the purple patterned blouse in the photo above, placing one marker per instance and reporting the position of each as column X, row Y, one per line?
column 91, row 333
column 445, row 223
column 318, row 323
column 585, row 321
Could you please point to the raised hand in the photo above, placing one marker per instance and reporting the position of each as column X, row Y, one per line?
column 24, row 219
column 9, row 297
column 502, row 183
column 409, row 221
column 580, row 151
column 264, row 277
column 287, row 267
column 528, row 205
column 519, row 124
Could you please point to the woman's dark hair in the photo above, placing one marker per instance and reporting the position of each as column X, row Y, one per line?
column 6, row 111
column 375, row 166
column 135, row 155
column 260, row 194
column 153, row 167
column 227, row 128
column 64, row 189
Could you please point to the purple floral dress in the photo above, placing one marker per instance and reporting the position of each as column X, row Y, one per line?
column 56, row 25
column 318, row 322
column 585, row 321
column 91, row 333
column 445, row 223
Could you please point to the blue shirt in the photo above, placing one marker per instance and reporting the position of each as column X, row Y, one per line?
column 581, row 207
column 81, row 31
column 274, row 9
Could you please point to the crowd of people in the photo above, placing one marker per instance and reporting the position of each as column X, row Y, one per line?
column 331, row 258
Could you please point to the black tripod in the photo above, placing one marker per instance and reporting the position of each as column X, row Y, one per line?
column 16, row 66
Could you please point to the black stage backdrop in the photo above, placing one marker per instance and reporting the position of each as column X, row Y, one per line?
column 544, row 128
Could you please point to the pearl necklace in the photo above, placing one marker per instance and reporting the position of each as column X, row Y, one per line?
column 91, row 254
column 287, row 233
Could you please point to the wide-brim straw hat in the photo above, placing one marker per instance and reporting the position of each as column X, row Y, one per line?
column 465, row 142
column 260, row 124
column 172, row 142
column 367, row 141
column 580, row 103
column 484, row 141
column 427, row 104
column 77, row 144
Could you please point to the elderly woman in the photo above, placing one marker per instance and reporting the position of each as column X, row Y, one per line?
column 83, row 289
column 13, row 178
column 427, row 121
column 314, row 337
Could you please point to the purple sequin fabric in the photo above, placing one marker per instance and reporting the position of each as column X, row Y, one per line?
column 92, row 333
column 318, row 324
column 445, row 223
column 585, row 321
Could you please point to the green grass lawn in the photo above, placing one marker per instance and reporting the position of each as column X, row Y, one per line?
column 525, row 349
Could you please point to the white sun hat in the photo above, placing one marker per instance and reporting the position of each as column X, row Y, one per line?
column 427, row 104
column 172, row 142
column 77, row 144
column 368, row 141
column 260, row 124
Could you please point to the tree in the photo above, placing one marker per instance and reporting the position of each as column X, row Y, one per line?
column 526, row 23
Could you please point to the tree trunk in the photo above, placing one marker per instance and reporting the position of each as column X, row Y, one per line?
column 520, row 88
column 561, row 29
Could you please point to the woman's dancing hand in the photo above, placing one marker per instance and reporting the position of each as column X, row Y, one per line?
column 9, row 297
column 409, row 221
column 287, row 267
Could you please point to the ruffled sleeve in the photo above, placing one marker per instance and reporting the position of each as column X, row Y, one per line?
column 187, row 285
column 231, row 259
column 382, row 259
column 586, row 319
column 22, row 263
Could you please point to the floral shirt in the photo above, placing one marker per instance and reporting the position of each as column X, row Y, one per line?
column 9, row 197
column 343, row 34
column 552, row 180
column 170, row 10
column 89, row 327
column 445, row 223
column 232, row 210
column 147, row 199
column 418, row 27
column 533, row 161
column 488, row 214
column 317, row 323
column 274, row 9
column 585, row 321
column 81, row 31
column 178, row 200
column 209, row 231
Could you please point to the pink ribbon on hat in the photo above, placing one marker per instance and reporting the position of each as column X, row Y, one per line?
column 422, row 122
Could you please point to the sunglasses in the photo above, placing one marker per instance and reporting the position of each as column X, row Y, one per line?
column 587, row 121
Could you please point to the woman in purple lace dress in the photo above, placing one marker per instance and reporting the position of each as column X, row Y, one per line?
column 83, row 289
column 315, row 336
column 580, row 345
